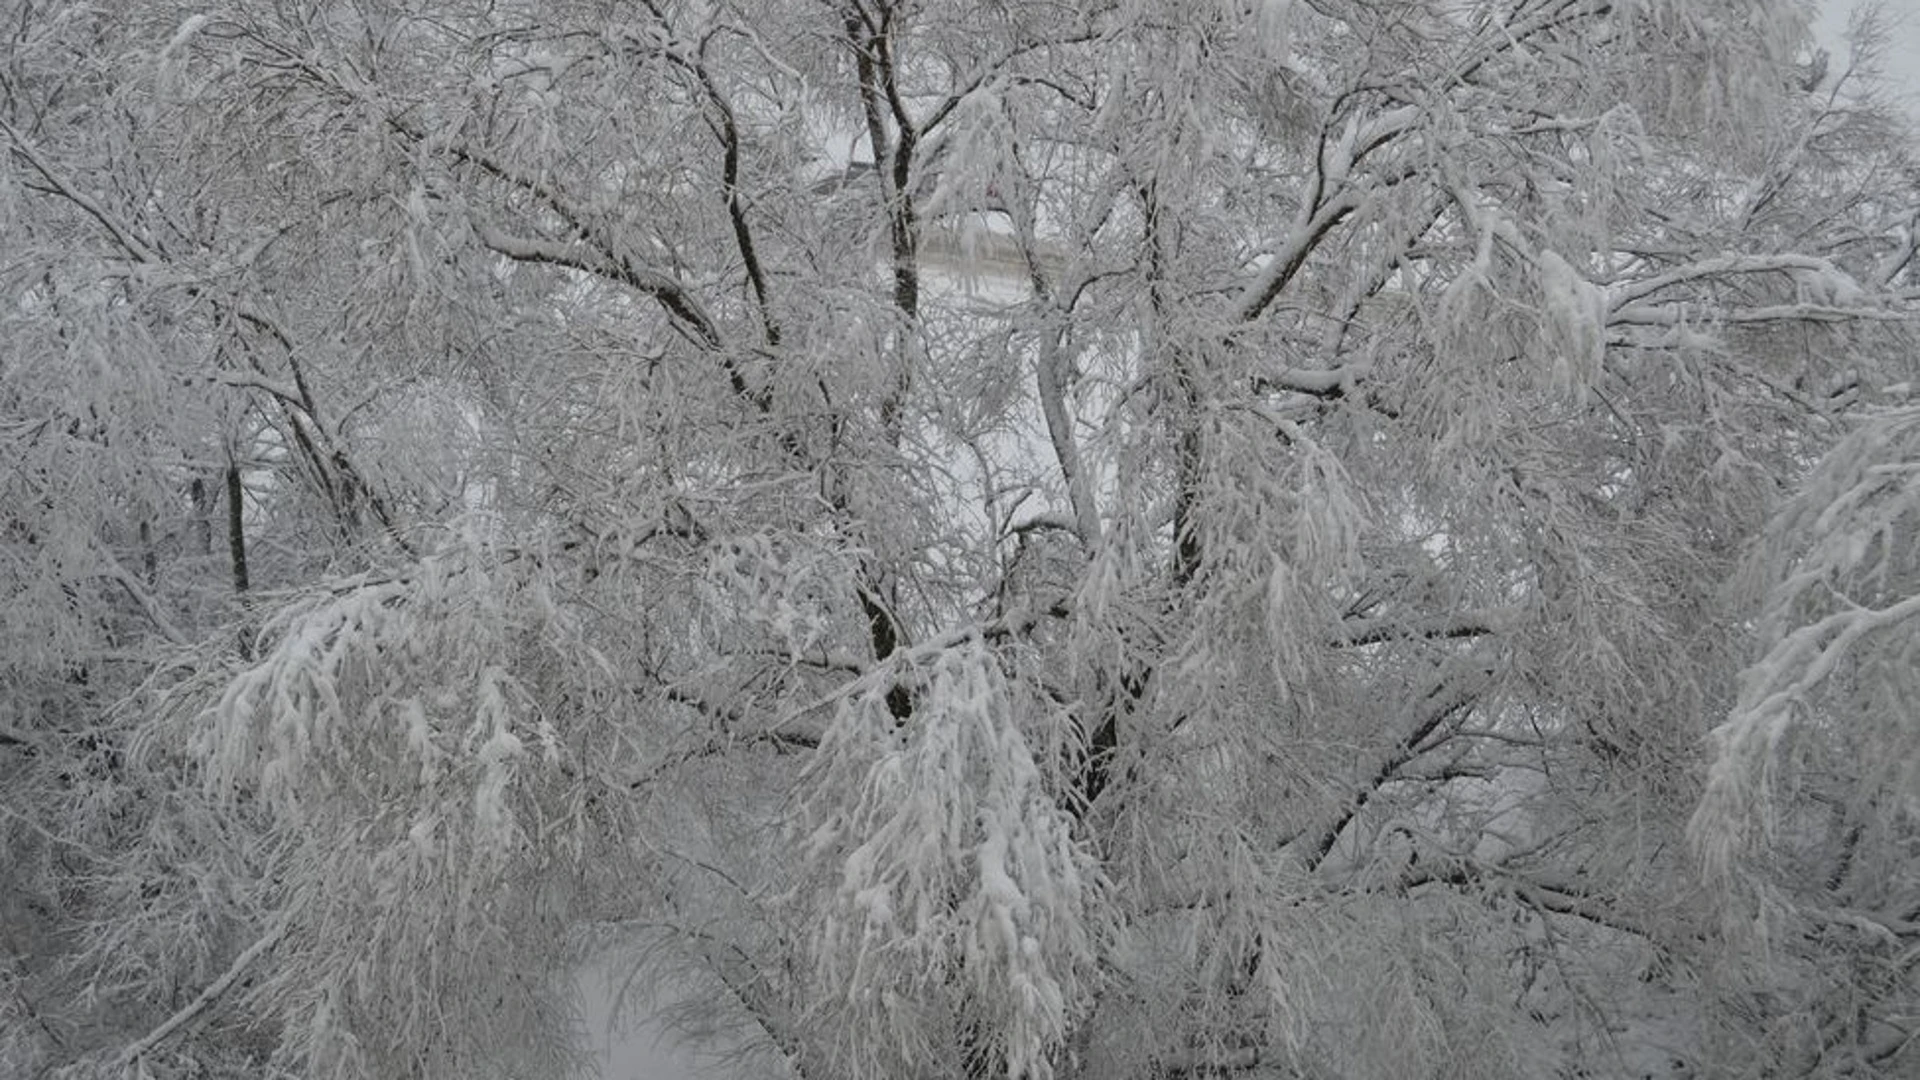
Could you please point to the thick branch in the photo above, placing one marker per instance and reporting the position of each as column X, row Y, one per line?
column 1050, row 375
column 236, row 528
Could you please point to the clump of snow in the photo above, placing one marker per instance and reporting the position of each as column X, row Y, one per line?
column 1573, row 324
column 1827, row 285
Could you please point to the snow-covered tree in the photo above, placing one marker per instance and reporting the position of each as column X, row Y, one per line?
column 1101, row 538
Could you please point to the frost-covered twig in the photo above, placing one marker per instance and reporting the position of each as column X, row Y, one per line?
column 148, row 605
column 208, row 996
column 121, row 234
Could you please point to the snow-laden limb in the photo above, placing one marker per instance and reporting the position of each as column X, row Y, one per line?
column 1682, row 316
column 1337, row 400
column 1777, row 691
column 207, row 997
column 964, row 907
column 1839, row 623
column 393, row 732
column 1818, row 276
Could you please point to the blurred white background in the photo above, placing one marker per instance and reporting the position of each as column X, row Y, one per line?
column 1901, row 53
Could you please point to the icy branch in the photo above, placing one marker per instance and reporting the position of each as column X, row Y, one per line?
column 570, row 256
column 207, row 997
column 122, row 235
column 1622, row 294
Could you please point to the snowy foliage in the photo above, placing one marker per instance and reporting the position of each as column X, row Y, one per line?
column 1822, row 739
column 1135, row 539
column 959, row 881
column 1836, row 619
column 391, row 703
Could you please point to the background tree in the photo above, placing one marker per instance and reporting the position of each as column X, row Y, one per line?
column 1112, row 539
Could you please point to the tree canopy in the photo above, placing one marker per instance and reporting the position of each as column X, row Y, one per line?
column 1078, row 538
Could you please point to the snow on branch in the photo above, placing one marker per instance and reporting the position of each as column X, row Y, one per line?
column 1820, row 275
column 206, row 999
column 959, row 880
column 401, row 681
column 122, row 235
column 1358, row 632
column 1841, row 592
column 660, row 287
column 394, row 727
